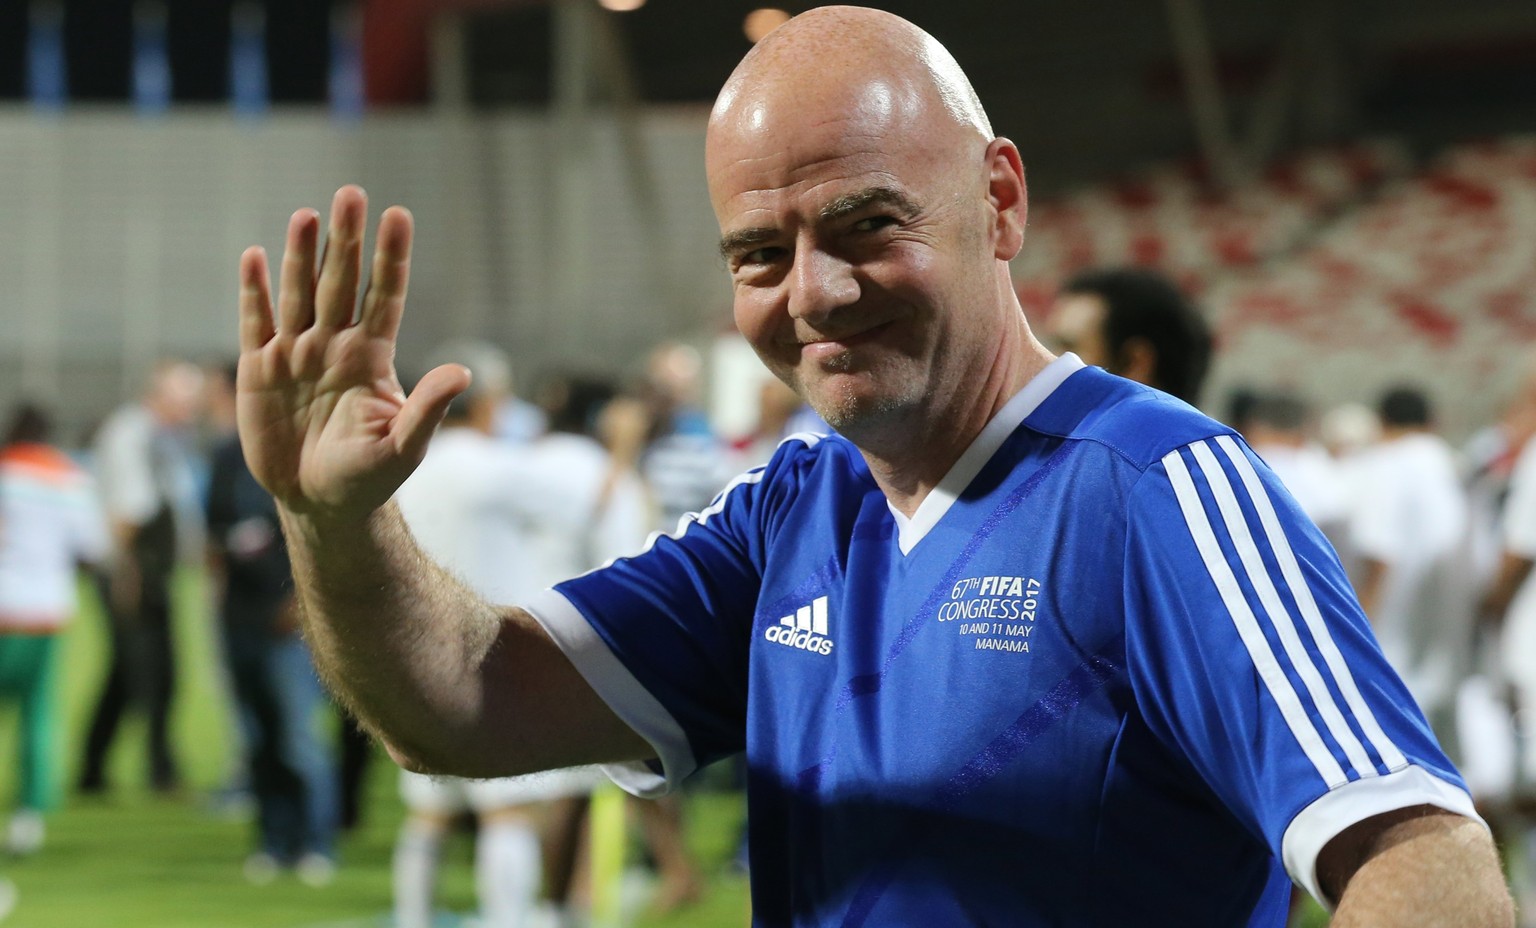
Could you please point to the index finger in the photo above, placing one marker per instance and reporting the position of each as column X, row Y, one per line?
column 384, row 302
column 256, row 327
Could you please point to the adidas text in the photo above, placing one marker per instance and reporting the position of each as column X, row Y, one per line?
column 806, row 629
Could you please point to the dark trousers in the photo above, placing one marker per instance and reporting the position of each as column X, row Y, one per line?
column 276, row 786
column 141, row 674
column 292, row 776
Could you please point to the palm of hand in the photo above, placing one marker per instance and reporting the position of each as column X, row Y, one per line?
column 320, row 419
column 324, row 423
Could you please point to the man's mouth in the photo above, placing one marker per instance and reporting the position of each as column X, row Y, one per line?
column 825, row 348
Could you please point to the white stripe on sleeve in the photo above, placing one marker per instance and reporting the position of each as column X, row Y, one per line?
column 1328, row 815
column 1279, row 617
column 1247, row 625
column 624, row 694
column 753, row 476
column 1391, row 757
column 749, row 478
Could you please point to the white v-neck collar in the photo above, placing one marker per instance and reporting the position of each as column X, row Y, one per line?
column 910, row 531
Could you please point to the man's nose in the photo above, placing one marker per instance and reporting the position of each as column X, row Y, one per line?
column 820, row 283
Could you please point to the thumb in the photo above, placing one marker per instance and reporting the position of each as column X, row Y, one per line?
column 426, row 406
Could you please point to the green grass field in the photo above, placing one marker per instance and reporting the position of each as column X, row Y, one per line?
column 133, row 860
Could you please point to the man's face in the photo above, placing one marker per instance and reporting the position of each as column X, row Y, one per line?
column 1077, row 324
column 855, row 247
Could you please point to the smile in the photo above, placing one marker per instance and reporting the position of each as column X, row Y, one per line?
column 820, row 348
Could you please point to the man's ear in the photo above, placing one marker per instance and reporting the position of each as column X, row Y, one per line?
column 1009, row 197
column 1137, row 360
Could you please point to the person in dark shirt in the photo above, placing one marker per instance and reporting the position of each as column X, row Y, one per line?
column 276, row 692
column 1135, row 323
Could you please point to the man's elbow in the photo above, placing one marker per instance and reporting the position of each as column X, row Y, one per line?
column 447, row 761
column 417, row 759
column 404, row 759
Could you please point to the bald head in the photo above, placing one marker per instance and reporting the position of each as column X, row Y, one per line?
column 867, row 217
column 836, row 62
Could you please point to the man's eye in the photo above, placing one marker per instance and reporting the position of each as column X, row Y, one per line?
column 761, row 255
column 873, row 223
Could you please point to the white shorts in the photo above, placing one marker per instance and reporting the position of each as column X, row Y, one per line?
column 448, row 795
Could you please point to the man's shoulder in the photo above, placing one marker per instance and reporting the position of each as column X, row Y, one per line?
column 1138, row 423
column 801, row 453
column 805, row 463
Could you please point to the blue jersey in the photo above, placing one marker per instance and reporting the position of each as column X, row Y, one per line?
column 1107, row 674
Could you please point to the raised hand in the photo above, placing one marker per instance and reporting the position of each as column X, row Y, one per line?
column 324, row 423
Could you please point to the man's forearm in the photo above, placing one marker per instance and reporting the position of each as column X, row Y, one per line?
column 395, row 637
column 451, row 683
column 1432, row 871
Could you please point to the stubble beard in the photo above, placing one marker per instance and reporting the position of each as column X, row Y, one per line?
column 860, row 414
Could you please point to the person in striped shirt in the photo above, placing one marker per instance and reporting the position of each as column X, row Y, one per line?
column 1024, row 643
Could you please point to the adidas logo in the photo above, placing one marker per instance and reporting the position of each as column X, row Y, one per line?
column 806, row 629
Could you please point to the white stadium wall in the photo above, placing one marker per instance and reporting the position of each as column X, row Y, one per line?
column 121, row 237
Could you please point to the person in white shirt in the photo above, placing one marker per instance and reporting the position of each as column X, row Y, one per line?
column 509, row 520
column 144, row 472
column 1409, row 527
column 1278, row 433
column 50, row 524
column 778, row 413
column 1510, row 601
column 1507, row 752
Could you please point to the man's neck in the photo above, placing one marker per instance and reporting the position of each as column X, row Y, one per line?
column 910, row 457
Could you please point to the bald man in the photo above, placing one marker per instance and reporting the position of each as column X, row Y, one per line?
column 1024, row 644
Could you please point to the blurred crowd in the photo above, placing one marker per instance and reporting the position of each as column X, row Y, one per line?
column 518, row 492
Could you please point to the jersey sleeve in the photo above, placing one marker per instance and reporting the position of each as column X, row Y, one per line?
column 663, row 636
column 1252, row 659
